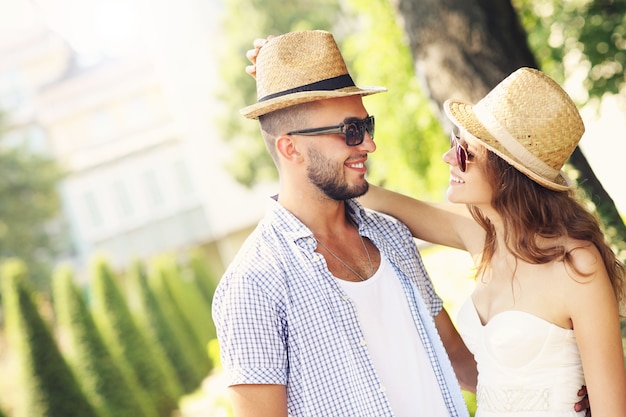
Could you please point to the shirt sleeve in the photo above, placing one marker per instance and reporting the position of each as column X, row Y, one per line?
column 434, row 303
column 252, row 332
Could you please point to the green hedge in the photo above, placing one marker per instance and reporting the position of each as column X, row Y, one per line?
column 166, row 328
column 48, row 387
column 110, row 388
column 131, row 345
column 128, row 342
column 183, row 292
column 162, row 326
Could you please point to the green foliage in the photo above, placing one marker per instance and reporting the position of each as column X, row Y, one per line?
column 49, row 389
column 166, row 284
column 128, row 343
column 251, row 163
column 162, row 329
column 128, row 350
column 111, row 390
column 584, row 41
column 585, row 36
column 28, row 199
column 470, row 401
column 213, row 349
column 186, row 295
column 410, row 140
column 198, row 266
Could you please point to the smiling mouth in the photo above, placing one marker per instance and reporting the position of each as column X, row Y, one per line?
column 358, row 165
column 456, row 179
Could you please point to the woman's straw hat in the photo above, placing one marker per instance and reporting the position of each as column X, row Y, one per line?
column 299, row 67
column 527, row 120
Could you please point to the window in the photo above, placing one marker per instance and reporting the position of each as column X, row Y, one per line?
column 92, row 209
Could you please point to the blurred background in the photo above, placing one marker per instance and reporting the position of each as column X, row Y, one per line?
column 121, row 141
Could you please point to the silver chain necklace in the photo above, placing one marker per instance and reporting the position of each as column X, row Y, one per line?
column 345, row 264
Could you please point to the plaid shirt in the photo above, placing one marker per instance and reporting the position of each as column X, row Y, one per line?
column 282, row 318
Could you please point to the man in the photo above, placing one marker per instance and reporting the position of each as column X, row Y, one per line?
column 327, row 309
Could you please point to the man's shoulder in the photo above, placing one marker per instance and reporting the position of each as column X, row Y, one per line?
column 384, row 222
column 261, row 243
column 262, row 253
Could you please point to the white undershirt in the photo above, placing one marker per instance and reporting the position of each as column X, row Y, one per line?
column 394, row 345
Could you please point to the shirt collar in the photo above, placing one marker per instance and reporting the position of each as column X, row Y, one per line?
column 291, row 227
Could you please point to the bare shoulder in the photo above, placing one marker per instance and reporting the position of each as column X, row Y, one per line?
column 588, row 283
column 585, row 259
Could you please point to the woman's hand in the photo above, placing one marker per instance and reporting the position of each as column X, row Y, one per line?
column 251, row 54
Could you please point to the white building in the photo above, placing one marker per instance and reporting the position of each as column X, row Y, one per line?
column 135, row 134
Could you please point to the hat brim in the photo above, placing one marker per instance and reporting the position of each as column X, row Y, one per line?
column 461, row 114
column 263, row 107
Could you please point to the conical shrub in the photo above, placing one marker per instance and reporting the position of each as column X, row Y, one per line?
column 198, row 265
column 135, row 298
column 206, row 280
column 109, row 387
column 128, row 342
column 180, row 287
column 163, row 270
column 48, row 386
column 160, row 324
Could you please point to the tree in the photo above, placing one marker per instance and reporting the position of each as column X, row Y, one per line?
column 186, row 297
column 455, row 48
column 28, row 203
column 127, row 342
column 163, row 280
column 161, row 328
column 49, row 388
column 104, row 381
column 488, row 42
column 263, row 17
column 197, row 265
column 585, row 40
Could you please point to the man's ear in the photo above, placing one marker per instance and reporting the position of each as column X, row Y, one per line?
column 288, row 148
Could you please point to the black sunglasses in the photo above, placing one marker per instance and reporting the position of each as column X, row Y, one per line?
column 353, row 129
column 462, row 156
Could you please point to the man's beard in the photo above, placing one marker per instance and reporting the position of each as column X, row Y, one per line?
column 322, row 173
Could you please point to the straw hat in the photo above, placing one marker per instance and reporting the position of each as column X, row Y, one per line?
column 299, row 67
column 527, row 120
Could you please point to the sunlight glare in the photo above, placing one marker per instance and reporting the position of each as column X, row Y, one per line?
column 95, row 27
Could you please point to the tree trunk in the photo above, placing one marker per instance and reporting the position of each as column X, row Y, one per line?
column 463, row 48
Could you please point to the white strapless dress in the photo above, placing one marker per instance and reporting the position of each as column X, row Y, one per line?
column 527, row 367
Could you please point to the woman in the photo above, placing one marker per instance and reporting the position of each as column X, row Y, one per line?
column 548, row 287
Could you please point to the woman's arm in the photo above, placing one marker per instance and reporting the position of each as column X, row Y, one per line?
column 594, row 314
column 443, row 224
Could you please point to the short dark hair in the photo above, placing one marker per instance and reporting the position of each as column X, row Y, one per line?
column 285, row 120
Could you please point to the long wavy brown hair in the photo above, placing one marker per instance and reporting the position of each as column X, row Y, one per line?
column 530, row 212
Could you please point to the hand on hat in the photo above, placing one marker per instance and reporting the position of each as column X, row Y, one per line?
column 251, row 54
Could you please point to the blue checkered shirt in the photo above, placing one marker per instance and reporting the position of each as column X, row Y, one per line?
column 282, row 319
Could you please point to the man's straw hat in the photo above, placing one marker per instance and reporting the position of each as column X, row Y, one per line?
column 527, row 120
column 300, row 67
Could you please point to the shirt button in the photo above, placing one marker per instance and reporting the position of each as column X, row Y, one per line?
column 382, row 388
column 363, row 342
column 344, row 297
